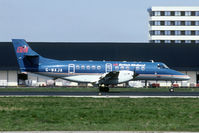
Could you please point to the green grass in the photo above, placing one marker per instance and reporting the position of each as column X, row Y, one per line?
column 73, row 89
column 56, row 113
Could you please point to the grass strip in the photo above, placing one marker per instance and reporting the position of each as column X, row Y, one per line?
column 109, row 114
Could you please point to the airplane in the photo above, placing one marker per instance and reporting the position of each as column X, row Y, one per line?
column 100, row 73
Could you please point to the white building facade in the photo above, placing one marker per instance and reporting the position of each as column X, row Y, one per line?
column 174, row 24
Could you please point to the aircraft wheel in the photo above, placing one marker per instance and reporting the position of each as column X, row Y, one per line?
column 106, row 89
column 103, row 89
column 100, row 89
column 171, row 89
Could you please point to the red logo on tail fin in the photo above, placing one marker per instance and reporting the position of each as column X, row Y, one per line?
column 22, row 50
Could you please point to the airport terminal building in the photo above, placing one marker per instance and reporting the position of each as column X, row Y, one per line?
column 181, row 57
column 173, row 24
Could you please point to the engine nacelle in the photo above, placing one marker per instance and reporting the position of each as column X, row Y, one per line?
column 125, row 76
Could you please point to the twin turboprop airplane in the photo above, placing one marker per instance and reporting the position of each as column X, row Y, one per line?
column 101, row 73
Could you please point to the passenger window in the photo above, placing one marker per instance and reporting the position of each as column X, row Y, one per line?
column 116, row 67
column 77, row 67
column 93, row 67
column 122, row 67
column 82, row 67
column 98, row 67
column 88, row 67
column 127, row 68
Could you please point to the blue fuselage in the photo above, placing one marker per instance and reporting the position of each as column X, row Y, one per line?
column 95, row 72
column 143, row 70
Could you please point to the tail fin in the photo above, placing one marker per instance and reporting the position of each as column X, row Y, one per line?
column 26, row 57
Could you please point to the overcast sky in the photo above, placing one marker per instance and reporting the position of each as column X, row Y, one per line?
column 79, row 20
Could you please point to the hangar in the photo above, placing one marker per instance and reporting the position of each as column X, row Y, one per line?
column 181, row 57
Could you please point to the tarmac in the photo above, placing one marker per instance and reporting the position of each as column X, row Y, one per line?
column 108, row 95
column 94, row 132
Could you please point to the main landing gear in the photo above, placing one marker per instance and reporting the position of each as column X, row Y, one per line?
column 103, row 89
column 171, row 89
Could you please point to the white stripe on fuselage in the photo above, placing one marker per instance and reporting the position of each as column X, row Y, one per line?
column 93, row 77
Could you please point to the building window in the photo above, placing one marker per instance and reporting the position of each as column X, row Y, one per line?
column 187, row 41
column 193, row 32
column 183, row 32
column 151, row 32
column 192, row 13
column 193, row 23
column 177, row 23
column 182, row 22
column 157, row 32
column 161, row 32
column 177, row 32
column 177, row 41
column 172, row 41
column 167, row 23
column 187, row 23
column 151, row 23
column 157, row 23
column 167, row 41
column 177, row 13
column 187, row 13
column 172, row 13
column 151, row 13
column 197, row 13
column 172, row 32
column 197, row 23
column 182, row 13
column 157, row 41
column 187, row 32
column 172, row 22
column 162, row 13
column 197, row 32
column 161, row 41
column 161, row 22
column 192, row 41
column 197, row 41
column 157, row 13
column 167, row 32
column 167, row 13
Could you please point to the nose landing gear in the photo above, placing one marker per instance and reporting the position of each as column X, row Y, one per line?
column 171, row 89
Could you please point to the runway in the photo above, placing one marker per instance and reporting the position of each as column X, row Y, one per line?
column 97, row 94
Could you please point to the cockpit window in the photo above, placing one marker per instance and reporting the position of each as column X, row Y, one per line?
column 165, row 66
column 162, row 66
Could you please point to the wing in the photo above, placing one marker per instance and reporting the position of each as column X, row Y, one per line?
column 116, row 77
column 110, row 76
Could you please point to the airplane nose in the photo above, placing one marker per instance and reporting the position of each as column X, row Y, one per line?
column 182, row 76
column 187, row 77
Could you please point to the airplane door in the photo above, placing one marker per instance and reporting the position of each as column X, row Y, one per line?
column 71, row 68
column 108, row 67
